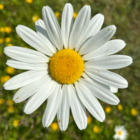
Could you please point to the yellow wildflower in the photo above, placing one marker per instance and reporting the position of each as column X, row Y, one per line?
column 1, row 40
column 1, row 101
column 35, row 18
column 1, row 6
column 10, row 70
column 3, row 79
column 2, row 29
column 133, row 112
column 10, row 44
column 108, row 109
column 29, row 1
column 96, row 129
column 120, row 108
column 10, row 102
column 10, row 109
column 57, row 14
column 8, row 39
column 89, row 119
column 8, row 29
column 75, row 15
column 54, row 126
column 15, row 123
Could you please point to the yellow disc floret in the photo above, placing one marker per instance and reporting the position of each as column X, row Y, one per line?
column 66, row 66
column 119, row 133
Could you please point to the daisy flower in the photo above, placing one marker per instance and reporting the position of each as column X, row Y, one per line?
column 69, row 68
column 121, row 133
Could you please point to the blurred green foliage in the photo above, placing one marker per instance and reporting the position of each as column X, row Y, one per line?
column 122, row 13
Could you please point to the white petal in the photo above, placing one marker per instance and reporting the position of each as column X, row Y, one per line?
column 41, row 30
column 33, row 39
column 100, row 91
column 79, row 28
column 109, row 62
column 113, row 89
column 94, row 25
column 24, row 79
column 53, row 104
column 26, row 66
column 90, row 102
column 52, row 27
column 64, row 109
column 110, row 47
column 25, row 55
column 115, row 136
column 27, row 91
column 107, row 77
column 66, row 23
column 37, row 99
column 98, row 40
column 95, row 81
column 78, row 110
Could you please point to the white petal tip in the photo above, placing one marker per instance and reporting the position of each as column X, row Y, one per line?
column 26, row 112
column 45, row 124
column 103, row 118
column 111, row 28
column 131, row 60
column 26, row 109
column 116, row 101
column 18, row 27
column 68, row 4
column 86, row 7
column 114, row 27
column 62, row 128
column 16, row 99
column 5, row 86
column 123, row 43
column 101, row 16
column 39, row 20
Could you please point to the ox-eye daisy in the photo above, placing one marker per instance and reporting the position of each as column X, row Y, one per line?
column 121, row 133
column 70, row 66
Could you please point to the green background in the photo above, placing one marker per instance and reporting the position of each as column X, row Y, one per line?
column 125, row 14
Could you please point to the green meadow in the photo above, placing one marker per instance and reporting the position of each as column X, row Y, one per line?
column 16, row 125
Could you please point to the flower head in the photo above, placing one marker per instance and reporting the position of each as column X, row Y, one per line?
column 35, row 18
column 57, row 14
column 75, row 15
column 133, row 112
column 2, row 29
column 29, row 1
column 108, row 109
column 70, row 67
column 3, row 79
column 1, row 40
column 10, row 70
column 120, row 107
column 1, row 6
column 121, row 133
column 7, row 39
column 8, row 29
column 15, row 123
column 96, row 129
column 10, row 109
column 1, row 101
column 54, row 126
column 89, row 119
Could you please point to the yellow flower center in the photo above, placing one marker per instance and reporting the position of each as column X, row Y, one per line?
column 66, row 66
column 119, row 133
